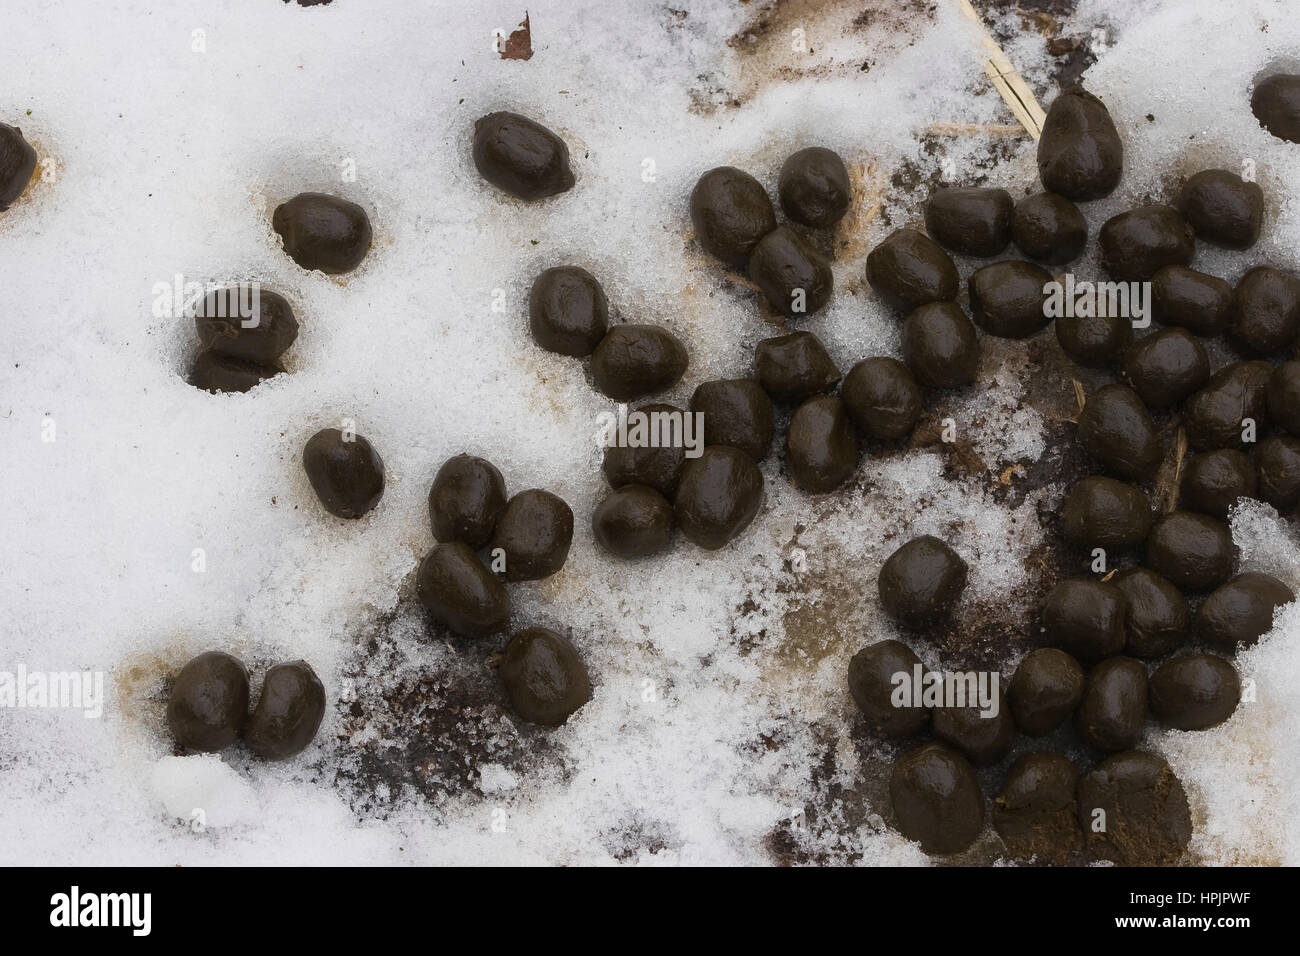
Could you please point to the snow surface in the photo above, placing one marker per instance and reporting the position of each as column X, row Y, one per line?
column 720, row 711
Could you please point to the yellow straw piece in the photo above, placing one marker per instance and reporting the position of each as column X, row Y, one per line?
column 1006, row 80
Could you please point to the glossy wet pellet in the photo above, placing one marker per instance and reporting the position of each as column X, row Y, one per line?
column 873, row 679
column 1007, row 299
column 1045, row 689
column 793, row 276
column 1112, row 715
column 1157, row 619
column 634, row 361
column 345, row 471
column 1036, row 813
column 731, row 212
column 1116, row 429
column 467, row 497
column 1137, row 244
column 794, row 367
column 984, row 735
column 821, row 449
column 459, row 591
column 657, row 464
column 921, row 582
column 1049, row 228
column 246, row 322
column 1230, row 408
column 1222, row 208
column 1144, row 806
column 1265, row 311
column 323, row 232
column 1080, row 155
column 288, row 712
column 1193, row 551
column 567, row 311
column 521, row 157
column 1200, row 303
column 1085, row 617
column 532, row 535
column 1214, row 481
column 1100, row 512
column 1194, row 691
column 940, row 345
column 882, row 398
column 814, row 187
column 718, row 496
column 736, row 412
column 1276, row 104
column 208, row 705
column 544, row 676
column 17, row 163
column 973, row 221
column 1095, row 341
column 1166, row 367
column 214, row 372
column 936, row 798
column 910, row 269
column 633, row 521
column 1240, row 612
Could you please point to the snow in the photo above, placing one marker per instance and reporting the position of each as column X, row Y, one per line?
column 720, row 713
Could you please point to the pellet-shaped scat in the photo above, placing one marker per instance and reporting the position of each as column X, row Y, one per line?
column 1049, row 228
column 1008, row 299
column 1283, row 396
column 791, row 273
column 467, row 497
column 1166, row 366
column 246, row 322
column 1142, row 807
column 533, row 534
column 1194, row 691
column 921, row 582
column 814, row 187
column 544, row 676
column 731, row 212
column 1085, row 617
column 1113, row 713
column 936, row 798
column 288, row 713
column 323, row 232
column 17, row 163
column 821, row 449
column 1137, row 244
column 1240, row 612
column 1157, row 619
column 633, row 521
column 214, row 372
column 873, row 679
column 1094, row 341
column 1276, row 104
column 567, row 311
column 974, row 221
column 1222, row 208
column 794, row 367
column 1214, row 481
column 1100, row 512
column 1116, row 429
column 882, row 398
column 1200, row 303
column 736, row 412
column 1265, row 311
column 1080, row 155
column 1194, row 551
column 940, row 345
column 1277, row 472
column 910, row 269
column 1045, row 689
column 718, row 496
column 1221, row 414
column 208, row 706
column 633, row 361
column 1036, row 813
column 458, row 590
column 345, row 471
column 520, row 156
